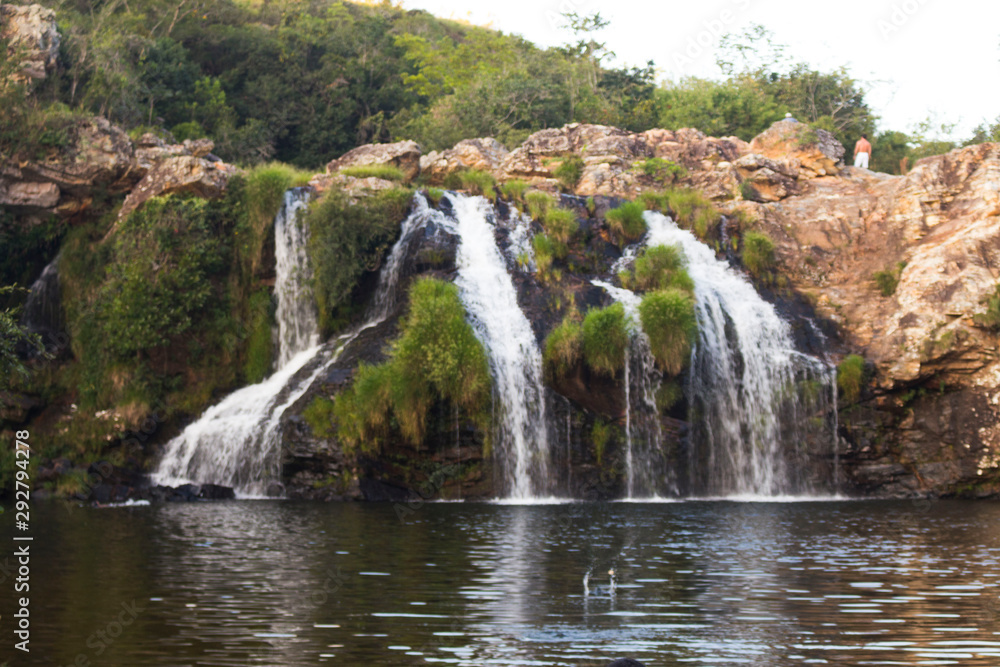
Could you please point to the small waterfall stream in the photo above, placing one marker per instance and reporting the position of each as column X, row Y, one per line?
column 42, row 313
column 237, row 441
column 756, row 403
column 491, row 301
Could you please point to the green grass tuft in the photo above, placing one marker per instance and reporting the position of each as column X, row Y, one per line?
column 850, row 377
column 758, row 253
column 668, row 318
column 888, row 279
column 605, row 339
column 563, row 346
column 569, row 171
column 560, row 224
column 478, row 183
column 661, row 267
column 538, row 203
column 514, row 190
column 626, row 222
column 386, row 172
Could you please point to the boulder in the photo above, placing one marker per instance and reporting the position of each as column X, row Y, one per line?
column 817, row 151
column 31, row 31
column 403, row 154
column 771, row 180
column 479, row 154
column 28, row 194
column 185, row 173
column 542, row 152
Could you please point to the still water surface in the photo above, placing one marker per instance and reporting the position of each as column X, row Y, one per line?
column 697, row 583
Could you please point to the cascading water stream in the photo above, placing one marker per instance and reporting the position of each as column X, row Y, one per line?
column 488, row 293
column 644, row 476
column 753, row 398
column 42, row 309
column 237, row 441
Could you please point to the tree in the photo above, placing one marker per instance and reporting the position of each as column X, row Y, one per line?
column 14, row 338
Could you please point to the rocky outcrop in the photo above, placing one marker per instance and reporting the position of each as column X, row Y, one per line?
column 404, row 154
column 31, row 35
column 480, row 154
column 931, row 417
column 817, row 151
column 182, row 174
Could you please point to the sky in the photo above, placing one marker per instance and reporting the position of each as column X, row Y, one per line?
column 917, row 59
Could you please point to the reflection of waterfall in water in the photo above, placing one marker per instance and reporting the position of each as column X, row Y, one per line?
column 646, row 475
column 757, row 406
column 521, row 428
column 237, row 441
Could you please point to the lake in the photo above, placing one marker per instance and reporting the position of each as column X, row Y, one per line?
column 696, row 583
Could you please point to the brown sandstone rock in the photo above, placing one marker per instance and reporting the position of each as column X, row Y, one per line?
column 180, row 174
column 31, row 29
column 817, row 151
column 481, row 154
column 403, row 154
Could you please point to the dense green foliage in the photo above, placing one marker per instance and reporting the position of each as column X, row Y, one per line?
column 436, row 357
column 668, row 318
column 758, row 254
column 13, row 336
column 605, row 339
column 626, row 222
column 348, row 239
column 688, row 207
column 850, row 377
column 888, row 279
column 563, row 346
column 661, row 170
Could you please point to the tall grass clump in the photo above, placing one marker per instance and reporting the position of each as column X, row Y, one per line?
column 661, row 169
column 514, row 190
column 346, row 240
column 626, row 222
column 478, row 183
column 560, row 224
column 564, row 346
column 263, row 193
column 850, row 377
column 605, row 339
column 569, row 171
column 758, row 253
column 538, row 203
column 662, row 267
column 387, row 172
column 669, row 320
column 437, row 357
column 546, row 252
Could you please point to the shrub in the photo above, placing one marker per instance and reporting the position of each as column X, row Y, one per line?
column 346, row 240
column 850, row 377
column 668, row 318
column 627, row 222
column 538, row 203
column 660, row 169
column 563, row 346
column 545, row 253
column 888, row 279
column 436, row 357
column 387, row 172
column 748, row 192
column 600, row 434
column 758, row 253
column 319, row 414
column 560, row 224
column 514, row 190
column 605, row 339
column 263, row 194
column 569, row 171
column 991, row 318
column 661, row 267
column 478, row 183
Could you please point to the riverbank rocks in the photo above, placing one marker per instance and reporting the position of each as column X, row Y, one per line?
column 404, row 155
column 30, row 32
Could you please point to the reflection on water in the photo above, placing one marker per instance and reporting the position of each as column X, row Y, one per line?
column 284, row 583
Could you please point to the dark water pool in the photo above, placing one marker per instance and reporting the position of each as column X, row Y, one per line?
column 697, row 583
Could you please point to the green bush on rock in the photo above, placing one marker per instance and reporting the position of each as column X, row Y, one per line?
column 436, row 357
column 563, row 346
column 850, row 377
column 626, row 222
column 569, row 171
column 662, row 267
column 605, row 339
column 347, row 239
column 758, row 253
column 669, row 320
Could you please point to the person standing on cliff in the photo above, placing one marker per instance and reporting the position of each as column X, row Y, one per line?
column 862, row 151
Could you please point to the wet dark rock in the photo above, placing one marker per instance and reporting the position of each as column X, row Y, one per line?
column 216, row 492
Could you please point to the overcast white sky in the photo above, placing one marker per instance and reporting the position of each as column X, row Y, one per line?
column 915, row 57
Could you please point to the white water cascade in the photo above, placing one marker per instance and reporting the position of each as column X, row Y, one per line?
column 237, row 441
column 756, row 403
column 521, row 437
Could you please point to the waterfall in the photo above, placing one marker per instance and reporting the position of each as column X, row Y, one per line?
column 757, row 405
column 487, row 290
column 42, row 309
column 237, row 442
column 645, row 473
